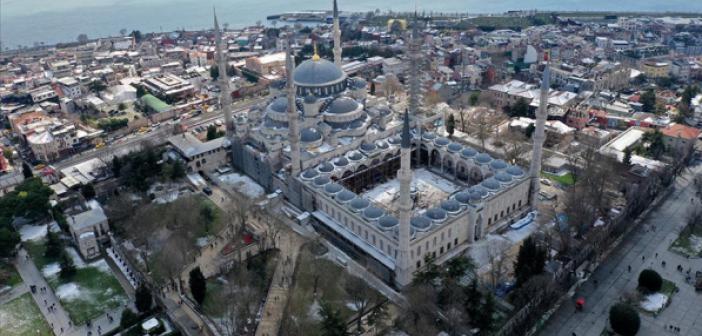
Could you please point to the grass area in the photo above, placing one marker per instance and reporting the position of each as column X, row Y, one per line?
column 668, row 288
column 218, row 213
column 689, row 242
column 36, row 251
column 8, row 275
column 565, row 179
column 89, row 293
column 21, row 316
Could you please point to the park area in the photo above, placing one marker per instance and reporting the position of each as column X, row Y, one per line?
column 21, row 316
column 689, row 242
column 8, row 277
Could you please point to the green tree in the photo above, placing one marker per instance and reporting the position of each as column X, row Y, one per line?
column 624, row 319
column 214, row 72
column 27, row 171
column 116, row 165
column 8, row 240
column 142, row 299
column 650, row 281
column 372, row 88
column 530, row 261
column 519, row 109
column 121, row 106
column 627, row 156
column 136, row 35
column 530, row 130
column 333, row 324
column 198, row 285
column 457, row 267
column 140, row 91
column 212, row 133
column 648, row 101
column 128, row 319
column 68, row 269
column 473, row 298
column 54, row 246
column 97, row 86
column 474, row 97
column 7, row 153
column 178, row 170
column 450, row 125
column 485, row 319
column 88, row 191
column 208, row 215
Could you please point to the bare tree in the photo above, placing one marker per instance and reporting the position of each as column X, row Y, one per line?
column 484, row 123
column 391, row 86
column 498, row 261
column 515, row 145
column 362, row 296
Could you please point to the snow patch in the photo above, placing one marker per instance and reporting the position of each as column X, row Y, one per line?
column 77, row 260
column 32, row 232
column 101, row 265
column 654, row 302
column 243, row 184
column 51, row 270
column 69, row 291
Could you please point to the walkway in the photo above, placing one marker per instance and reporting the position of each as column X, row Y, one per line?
column 645, row 247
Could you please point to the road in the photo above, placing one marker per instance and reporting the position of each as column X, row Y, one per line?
column 645, row 247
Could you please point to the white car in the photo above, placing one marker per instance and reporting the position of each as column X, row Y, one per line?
column 545, row 181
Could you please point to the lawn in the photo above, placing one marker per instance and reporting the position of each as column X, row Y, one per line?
column 8, row 275
column 689, row 242
column 21, row 316
column 89, row 293
column 36, row 251
column 566, row 179
column 668, row 288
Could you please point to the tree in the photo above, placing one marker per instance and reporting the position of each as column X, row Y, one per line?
column 97, row 86
column 88, row 191
column 457, row 267
column 27, row 171
column 198, row 285
column 627, row 156
column 128, row 319
column 140, row 91
column 7, row 153
column 484, row 122
column 372, row 88
column 519, row 109
column 8, row 241
column 530, row 261
column 361, row 296
column 178, row 170
column 82, row 38
column 473, row 298
column 474, row 97
column 121, row 106
column 648, row 101
column 333, row 324
column 213, row 133
column 450, row 125
column 391, row 85
column 377, row 316
column 650, row 281
column 68, row 268
column 142, row 299
column 123, row 32
column 214, row 72
column 136, row 34
column 485, row 320
column 53, row 247
column 116, row 165
column 624, row 319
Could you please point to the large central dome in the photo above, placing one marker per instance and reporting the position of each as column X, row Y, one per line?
column 317, row 72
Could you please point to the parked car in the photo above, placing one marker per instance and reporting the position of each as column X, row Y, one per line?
column 207, row 191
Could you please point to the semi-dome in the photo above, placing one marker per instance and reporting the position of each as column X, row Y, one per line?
column 325, row 167
column 310, row 135
column 345, row 196
column 341, row 162
column 498, row 164
column 451, row 206
column 333, row 188
column 359, row 204
column 468, row 153
column 387, row 222
column 280, row 105
column 515, row 171
column 503, row 177
column 342, row 105
column 310, row 174
column 436, row 214
column 483, row 158
column 420, row 223
column 491, row 184
column 373, row 213
column 454, row 147
column 317, row 72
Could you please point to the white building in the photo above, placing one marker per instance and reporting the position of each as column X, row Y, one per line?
column 70, row 87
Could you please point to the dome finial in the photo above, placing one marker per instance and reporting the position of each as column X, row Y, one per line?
column 315, row 57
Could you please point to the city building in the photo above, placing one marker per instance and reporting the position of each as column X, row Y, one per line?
column 169, row 86
column 201, row 156
column 88, row 227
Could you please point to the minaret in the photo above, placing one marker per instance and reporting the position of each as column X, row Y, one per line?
column 539, row 136
column 414, row 81
column 225, row 97
column 337, row 37
column 403, row 275
column 294, row 132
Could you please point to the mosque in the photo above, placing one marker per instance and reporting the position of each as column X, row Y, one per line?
column 376, row 183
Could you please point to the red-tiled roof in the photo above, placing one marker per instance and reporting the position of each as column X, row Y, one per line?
column 681, row 131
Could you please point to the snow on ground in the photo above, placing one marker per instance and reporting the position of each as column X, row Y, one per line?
column 77, row 260
column 654, row 302
column 101, row 265
column 69, row 291
column 243, row 184
column 516, row 236
column 431, row 187
column 695, row 244
column 51, row 270
column 32, row 232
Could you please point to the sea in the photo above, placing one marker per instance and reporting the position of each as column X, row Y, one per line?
column 30, row 22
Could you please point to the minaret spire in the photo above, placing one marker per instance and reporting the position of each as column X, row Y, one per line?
column 294, row 132
column 225, row 98
column 337, row 36
column 414, row 80
column 539, row 136
column 403, row 275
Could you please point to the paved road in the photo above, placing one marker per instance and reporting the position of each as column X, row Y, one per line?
column 645, row 247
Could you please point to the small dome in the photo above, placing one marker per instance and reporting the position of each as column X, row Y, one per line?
column 358, row 123
column 387, row 222
column 451, row 205
column 317, row 73
column 310, row 99
column 468, row 153
column 310, row 135
column 333, row 188
column 368, row 147
column 342, row 105
column 396, row 140
column 359, row 83
column 310, row 174
column 280, row 104
column 325, row 167
column 420, row 223
column 454, row 147
column 321, row 180
column 436, row 214
column 515, row 171
column 345, row 196
column 341, row 162
column 498, row 164
column 428, row 136
column 462, row 197
column 382, row 144
column 476, row 196
column 480, row 190
column 483, row 158
column 373, row 213
column 359, row 204
column 491, row 184
column 503, row 177
column 441, row 142
column 355, row 156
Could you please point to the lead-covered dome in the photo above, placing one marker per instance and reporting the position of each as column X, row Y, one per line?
column 318, row 72
column 279, row 105
column 310, row 135
column 342, row 105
